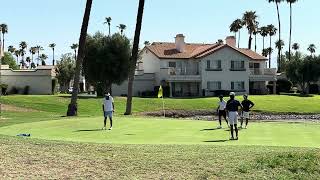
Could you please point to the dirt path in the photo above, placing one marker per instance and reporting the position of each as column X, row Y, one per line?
column 11, row 108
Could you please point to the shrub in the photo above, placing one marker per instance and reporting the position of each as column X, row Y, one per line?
column 221, row 92
column 3, row 88
column 26, row 90
column 54, row 85
column 284, row 85
column 314, row 89
column 14, row 90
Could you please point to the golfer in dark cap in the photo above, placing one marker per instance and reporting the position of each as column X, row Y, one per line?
column 232, row 110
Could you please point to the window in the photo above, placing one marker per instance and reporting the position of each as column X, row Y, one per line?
column 239, row 86
column 172, row 64
column 214, row 85
column 237, row 65
column 214, row 65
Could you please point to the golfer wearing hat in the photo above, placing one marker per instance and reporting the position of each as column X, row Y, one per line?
column 221, row 110
column 247, row 105
column 108, row 109
column 232, row 110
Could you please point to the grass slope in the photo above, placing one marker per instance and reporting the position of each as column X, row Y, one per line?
column 40, row 159
column 159, row 131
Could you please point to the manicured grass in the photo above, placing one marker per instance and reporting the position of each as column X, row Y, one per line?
column 92, row 106
column 159, row 131
column 23, row 158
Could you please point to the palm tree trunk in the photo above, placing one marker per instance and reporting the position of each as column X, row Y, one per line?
column 134, row 56
column 239, row 39
column 72, row 107
column 250, row 41
column 270, row 54
column 255, row 43
column 53, row 56
column 279, row 21
column 262, row 42
column 2, row 42
column 109, row 30
column 290, row 31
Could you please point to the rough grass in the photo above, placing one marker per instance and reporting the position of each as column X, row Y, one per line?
column 92, row 106
column 40, row 159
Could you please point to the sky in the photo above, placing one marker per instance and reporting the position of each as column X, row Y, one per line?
column 40, row 22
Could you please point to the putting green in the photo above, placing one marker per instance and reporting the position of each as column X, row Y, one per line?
column 128, row 130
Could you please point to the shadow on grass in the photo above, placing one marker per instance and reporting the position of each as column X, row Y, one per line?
column 88, row 130
column 212, row 129
column 221, row 140
column 82, row 97
column 129, row 134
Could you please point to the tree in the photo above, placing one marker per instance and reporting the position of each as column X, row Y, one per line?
column 52, row 46
column 23, row 45
column 235, row 27
column 312, row 49
column 22, row 53
column 122, row 27
column 43, row 58
column 290, row 34
column 264, row 33
column 39, row 49
column 303, row 71
column 108, row 21
column 11, row 49
column 4, row 30
column 65, row 70
column 72, row 107
column 74, row 47
column 255, row 33
column 296, row 47
column 17, row 54
column 250, row 20
column 265, row 52
column 8, row 59
column 134, row 56
column 28, row 60
column 32, row 51
column 279, row 45
column 271, row 31
column 277, row 2
column 106, row 60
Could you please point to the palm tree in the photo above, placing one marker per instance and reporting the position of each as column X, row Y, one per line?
column 17, row 54
column 43, row 58
column 312, row 49
column 32, row 51
column 11, row 49
column 264, row 33
column 277, row 2
column 39, row 49
column 74, row 47
column 235, row 27
column 279, row 45
column 28, row 60
column 250, row 20
column 4, row 30
column 22, row 53
column 295, row 46
column 52, row 46
column 290, row 35
column 134, row 57
column 265, row 52
column 271, row 31
column 108, row 21
column 72, row 107
column 255, row 32
column 122, row 27
column 270, row 51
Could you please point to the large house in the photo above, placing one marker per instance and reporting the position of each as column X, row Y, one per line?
column 193, row 69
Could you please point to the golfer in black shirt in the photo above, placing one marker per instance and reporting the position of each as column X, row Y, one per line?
column 247, row 105
column 232, row 110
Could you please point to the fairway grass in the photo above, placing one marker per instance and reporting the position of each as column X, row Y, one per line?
column 167, row 131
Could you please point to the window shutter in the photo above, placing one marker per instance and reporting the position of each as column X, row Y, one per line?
column 242, row 85
column 219, row 85
column 242, row 64
column 232, row 85
column 208, row 85
column 232, row 64
column 208, row 64
column 219, row 64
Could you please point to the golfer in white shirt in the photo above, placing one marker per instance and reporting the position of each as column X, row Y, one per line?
column 221, row 110
column 108, row 109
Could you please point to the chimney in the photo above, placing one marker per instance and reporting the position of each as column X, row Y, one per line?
column 231, row 41
column 180, row 44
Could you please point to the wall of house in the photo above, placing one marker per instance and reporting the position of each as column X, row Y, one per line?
column 151, row 64
column 38, row 80
column 141, row 83
column 226, row 55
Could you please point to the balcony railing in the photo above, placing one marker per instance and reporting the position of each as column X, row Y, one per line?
column 260, row 71
column 181, row 71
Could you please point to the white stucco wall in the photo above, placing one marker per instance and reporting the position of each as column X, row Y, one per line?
column 226, row 55
column 38, row 80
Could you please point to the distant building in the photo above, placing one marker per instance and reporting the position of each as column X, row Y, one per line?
column 194, row 69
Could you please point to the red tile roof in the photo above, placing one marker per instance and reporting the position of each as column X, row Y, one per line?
column 164, row 50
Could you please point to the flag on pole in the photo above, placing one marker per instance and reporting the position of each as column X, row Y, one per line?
column 160, row 93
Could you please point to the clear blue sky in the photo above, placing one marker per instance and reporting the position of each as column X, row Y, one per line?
column 43, row 21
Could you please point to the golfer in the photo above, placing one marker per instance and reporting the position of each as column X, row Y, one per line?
column 108, row 109
column 232, row 110
column 247, row 105
column 221, row 110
